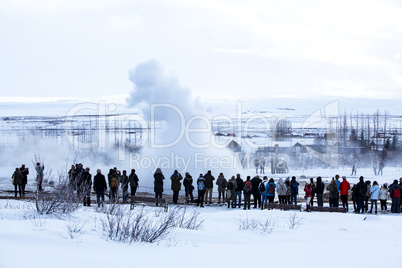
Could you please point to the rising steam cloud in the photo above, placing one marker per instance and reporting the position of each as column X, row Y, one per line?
column 153, row 86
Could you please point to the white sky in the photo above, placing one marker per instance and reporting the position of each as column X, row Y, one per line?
column 78, row 48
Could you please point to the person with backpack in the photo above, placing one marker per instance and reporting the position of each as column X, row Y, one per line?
column 333, row 193
column 100, row 187
column 209, row 184
column 255, row 183
column 383, row 196
column 361, row 192
column 319, row 191
column 239, row 190
column 221, row 182
column 201, row 190
column 133, row 179
column 395, row 193
column 294, row 190
column 270, row 190
column 231, row 192
column 176, row 185
column 262, row 188
column 158, row 184
column 344, row 190
column 113, row 185
column 375, row 192
column 188, row 187
column 281, row 189
column 247, row 193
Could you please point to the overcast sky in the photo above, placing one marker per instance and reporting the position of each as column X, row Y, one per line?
column 85, row 48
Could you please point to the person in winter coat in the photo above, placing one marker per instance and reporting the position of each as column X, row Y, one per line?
column 380, row 167
column 133, row 179
column 124, row 180
column 288, row 191
column 231, row 192
column 354, row 169
column 333, row 193
column 400, row 186
column 24, row 171
column 221, row 182
column 375, row 167
column 188, row 187
column 100, row 187
column 375, row 192
column 255, row 183
column 344, row 191
column 248, row 187
column 263, row 187
column 209, row 184
column 367, row 197
column 39, row 175
column 308, row 189
column 239, row 190
column 113, row 185
column 319, row 190
column 281, row 189
column 312, row 192
column 395, row 193
column 158, row 183
column 86, row 186
column 383, row 196
column 176, row 185
column 201, row 190
column 294, row 188
column 354, row 197
column 361, row 191
column 270, row 190
column 17, row 181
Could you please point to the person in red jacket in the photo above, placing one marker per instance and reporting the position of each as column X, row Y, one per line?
column 309, row 191
column 344, row 190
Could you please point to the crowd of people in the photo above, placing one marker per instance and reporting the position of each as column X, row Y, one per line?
column 230, row 191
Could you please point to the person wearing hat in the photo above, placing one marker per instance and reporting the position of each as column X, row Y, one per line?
column 344, row 190
column 383, row 196
column 158, row 183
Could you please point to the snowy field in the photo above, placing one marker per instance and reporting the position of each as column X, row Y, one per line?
column 319, row 239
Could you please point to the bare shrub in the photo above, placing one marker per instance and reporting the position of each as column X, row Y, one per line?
column 266, row 226
column 60, row 199
column 188, row 221
column 129, row 226
column 294, row 221
column 37, row 221
column 75, row 229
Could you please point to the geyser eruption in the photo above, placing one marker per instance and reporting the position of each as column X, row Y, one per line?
column 180, row 136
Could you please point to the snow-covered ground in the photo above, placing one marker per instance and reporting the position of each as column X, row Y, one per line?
column 320, row 239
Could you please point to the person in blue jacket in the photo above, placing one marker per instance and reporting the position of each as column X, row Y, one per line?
column 270, row 190
column 374, row 191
